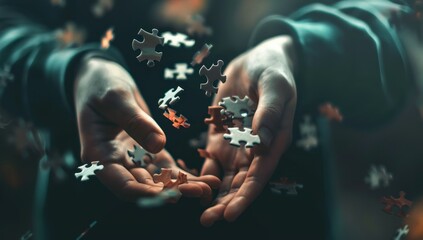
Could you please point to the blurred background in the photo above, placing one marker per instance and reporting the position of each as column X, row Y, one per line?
column 47, row 196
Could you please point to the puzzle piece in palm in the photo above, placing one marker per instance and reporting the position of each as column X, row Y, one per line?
column 236, row 107
column 214, row 73
column 195, row 26
column 6, row 76
column 139, row 154
column 285, row 184
column 88, row 171
column 170, row 98
column 178, row 121
column 402, row 233
column 239, row 137
column 166, row 178
column 219, row 120
column 108, row 36
column 181, row 70
column 378, row 175
column 200, row 55
column 178, row 39
column 400, row 203
column 148, row 47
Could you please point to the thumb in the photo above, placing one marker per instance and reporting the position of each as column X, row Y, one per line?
column 120, row 107
column 276, row 94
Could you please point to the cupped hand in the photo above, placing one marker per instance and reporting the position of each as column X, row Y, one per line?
column 112, row 117
column 266, row 75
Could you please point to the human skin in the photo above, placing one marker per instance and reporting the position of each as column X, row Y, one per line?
column 112, row 117
column 266, row 75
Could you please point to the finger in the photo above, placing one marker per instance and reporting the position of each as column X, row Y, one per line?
column 212, row 181
column 275, row 92
column 123, row 184
column 206, row 192
column 120, row 107
column 191, row 190
column 215, row 213
column 210, row 167
column 258, row 174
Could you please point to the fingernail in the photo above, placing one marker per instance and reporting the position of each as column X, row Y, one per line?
column 266, row 136
column 154, row 142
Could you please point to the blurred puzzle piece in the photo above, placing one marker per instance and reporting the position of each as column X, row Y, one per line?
column 285, row 184
column 108, row 36
column 199, row 56
column 399, row 203
column 218, row 119
column 165, row 177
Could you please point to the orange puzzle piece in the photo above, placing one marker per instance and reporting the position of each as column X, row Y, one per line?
column 166, row 178
column 218, row 119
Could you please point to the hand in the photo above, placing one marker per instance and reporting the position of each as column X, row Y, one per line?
column 265, row 74
column 112, row 118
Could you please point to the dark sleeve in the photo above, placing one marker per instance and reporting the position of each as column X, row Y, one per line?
column 43, row 69
column 349, row 56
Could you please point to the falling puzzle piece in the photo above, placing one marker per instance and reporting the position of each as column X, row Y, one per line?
column 219, row 120
column 402, row 233
column 199, row 56
column 108, row 36
column 285, row 184
column 166, row 178
column 308, row 142
column 88, row 171
column 170, row 98
column 138, row 156
column 178, row 121
column 237, row 107
column 378, row 175
column 239, row 137
column 101, row 7
column 181, row 70
column 214, row 73
column 400, row 202
column 148, row 47
column 178, row 39
column 307, row 127
column 195, row 26
column 330, row 112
